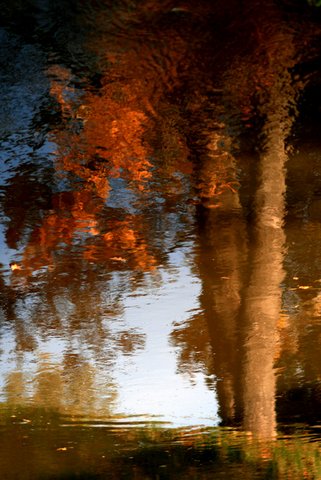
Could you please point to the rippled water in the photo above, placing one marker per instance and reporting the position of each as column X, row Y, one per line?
column 160, row 235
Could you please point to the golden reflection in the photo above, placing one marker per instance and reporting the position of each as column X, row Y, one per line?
column 217, row 171
column 222, row 264
column 262, row 299
column 241, row 266
column 117, row 125
column 126, row 128
column 74, row 214
column 137, row 126
column 73, row 387
column 110, row 143
column 122, row 244
column 15, row 388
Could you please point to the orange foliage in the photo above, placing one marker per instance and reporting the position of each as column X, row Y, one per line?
column 112, row 130
column 122, row 243
column 74, row 213
column 108, row 134
column 114, row 133
column 110, row 143
column 59, row 87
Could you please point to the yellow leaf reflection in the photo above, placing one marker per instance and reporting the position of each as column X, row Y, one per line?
column 15, row 266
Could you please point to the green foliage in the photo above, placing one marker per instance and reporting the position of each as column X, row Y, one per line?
column 314, row 3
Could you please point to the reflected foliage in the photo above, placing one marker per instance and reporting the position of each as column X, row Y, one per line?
column 241, row 265
column 152, row 127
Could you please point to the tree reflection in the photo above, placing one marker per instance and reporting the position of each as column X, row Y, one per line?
column 79, row 254
column 241, row 264
column 152, row 115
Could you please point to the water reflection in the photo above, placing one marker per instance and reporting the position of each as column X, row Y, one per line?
column 144, row 231
column 90, row 231
column 241, row 298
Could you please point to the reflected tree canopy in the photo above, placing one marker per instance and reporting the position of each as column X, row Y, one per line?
column 143, row 140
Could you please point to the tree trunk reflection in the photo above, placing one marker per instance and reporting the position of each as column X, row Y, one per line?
column 242, row 305
column 242, row 271
column 223, row 252
column 262, row 302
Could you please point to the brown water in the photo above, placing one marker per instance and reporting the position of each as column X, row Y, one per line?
column 160, row 293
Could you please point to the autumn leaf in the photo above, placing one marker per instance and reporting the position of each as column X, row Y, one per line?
column 118, row 259
column 15, row 266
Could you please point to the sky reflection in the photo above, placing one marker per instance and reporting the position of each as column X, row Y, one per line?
column 147, row 381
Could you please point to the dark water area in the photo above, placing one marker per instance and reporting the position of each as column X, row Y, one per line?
column 160, row 240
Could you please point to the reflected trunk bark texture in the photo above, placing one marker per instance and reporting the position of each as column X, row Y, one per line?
column 222, row 261
column 262, row 303
column 244, row 309
column 242, row 300
column 217, row 176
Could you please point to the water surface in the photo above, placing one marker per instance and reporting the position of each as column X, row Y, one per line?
column 160, row 229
